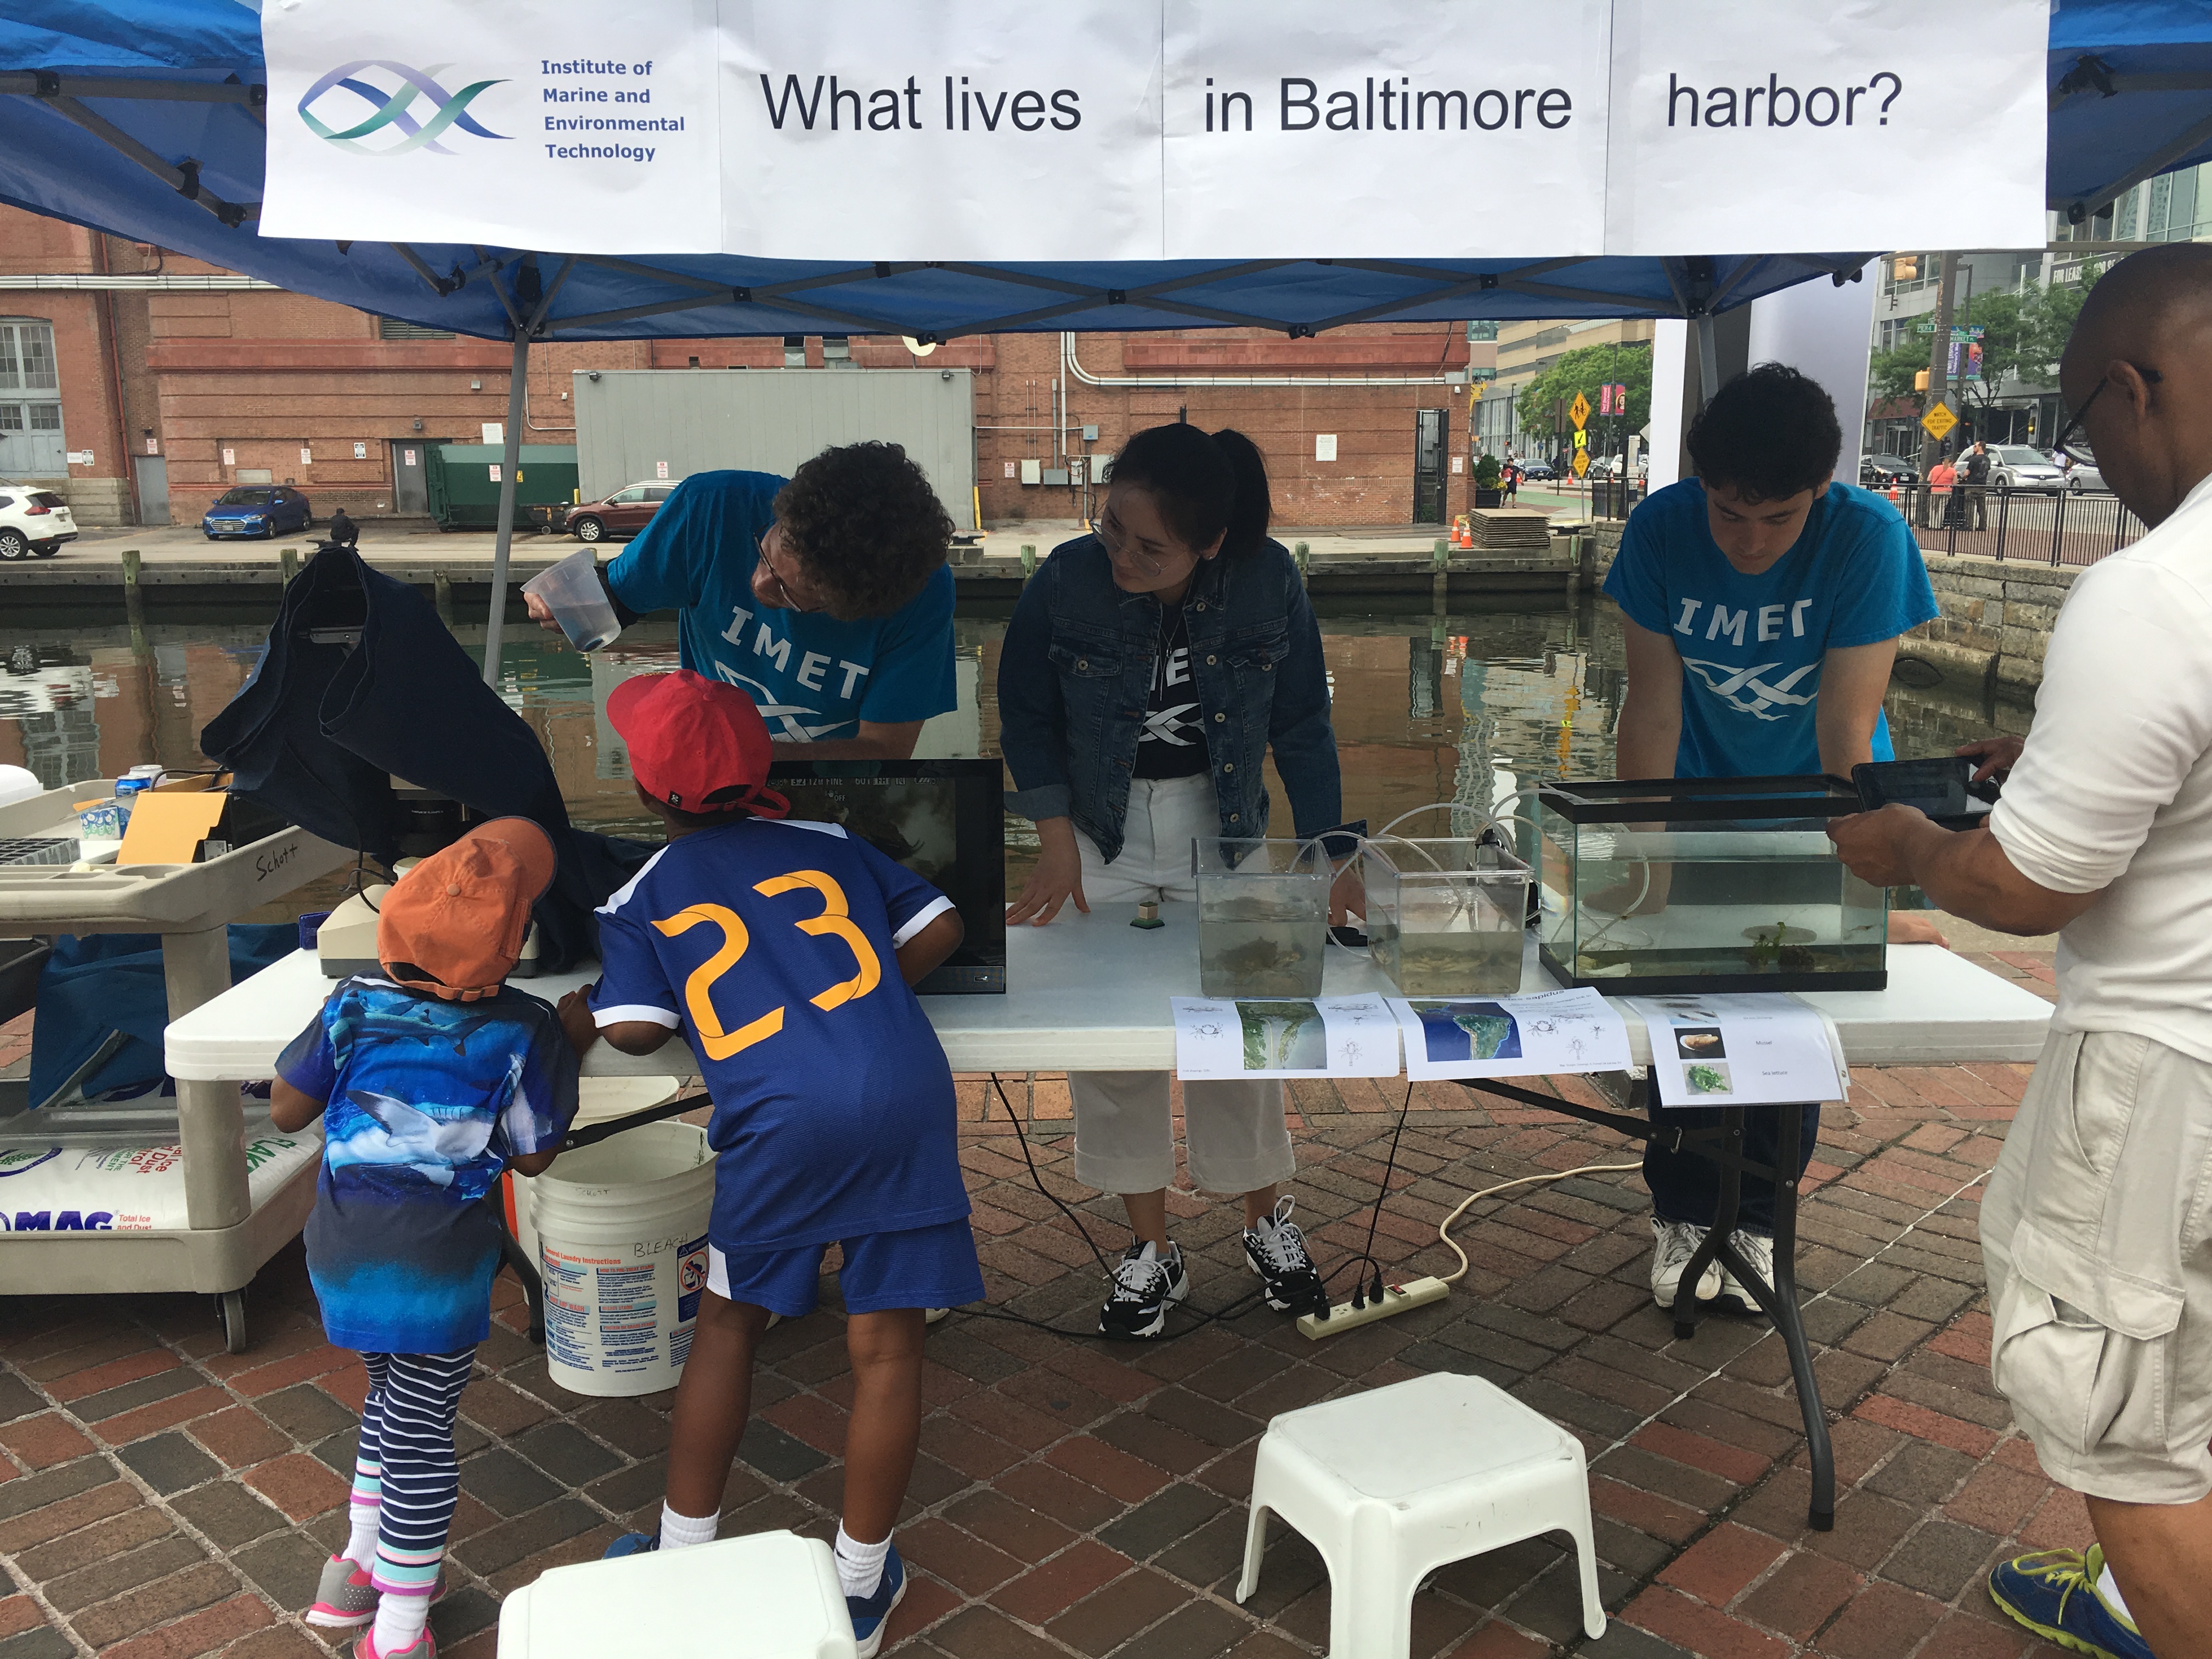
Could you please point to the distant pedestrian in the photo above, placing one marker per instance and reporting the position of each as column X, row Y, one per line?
column 1941, row 478
column 1977, row 488
column 1511, row 479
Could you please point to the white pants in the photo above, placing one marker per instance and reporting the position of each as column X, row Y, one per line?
column 1234, row 1132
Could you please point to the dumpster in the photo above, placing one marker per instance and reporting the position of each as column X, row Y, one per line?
column 464, row 484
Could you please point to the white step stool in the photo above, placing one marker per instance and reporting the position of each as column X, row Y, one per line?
column 1390, row 1485
column 770, row 1596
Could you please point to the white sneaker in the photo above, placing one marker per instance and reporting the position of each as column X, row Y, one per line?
column 1673, row 1245
column 1757, row 1250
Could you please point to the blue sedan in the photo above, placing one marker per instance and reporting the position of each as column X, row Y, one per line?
column 257, row 510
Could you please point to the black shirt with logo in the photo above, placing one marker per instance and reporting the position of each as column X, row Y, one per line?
column 1173, row 744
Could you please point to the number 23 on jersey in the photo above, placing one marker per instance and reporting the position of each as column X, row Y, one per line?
column 835, row 921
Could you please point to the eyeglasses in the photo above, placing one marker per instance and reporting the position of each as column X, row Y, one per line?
column 1115, row 539
column 787, row 598
column 2066, row 433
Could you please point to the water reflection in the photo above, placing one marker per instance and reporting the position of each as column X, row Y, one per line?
column 1425, row 705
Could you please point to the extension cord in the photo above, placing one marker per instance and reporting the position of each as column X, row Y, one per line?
column 1396, row 1298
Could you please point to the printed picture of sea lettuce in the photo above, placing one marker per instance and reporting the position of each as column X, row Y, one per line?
column 1282, row 1036
column 1707, row 1080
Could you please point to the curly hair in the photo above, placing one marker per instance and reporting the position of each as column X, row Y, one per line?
column 1767, row 435
column 868, row 530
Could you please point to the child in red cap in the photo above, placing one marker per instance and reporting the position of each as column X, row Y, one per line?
column 784, row 951
column 429, row 1080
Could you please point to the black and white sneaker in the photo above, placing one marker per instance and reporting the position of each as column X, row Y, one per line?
column 1277, row 1250
column 1145, row 1285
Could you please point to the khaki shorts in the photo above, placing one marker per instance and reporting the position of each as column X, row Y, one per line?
column 2094, row 1233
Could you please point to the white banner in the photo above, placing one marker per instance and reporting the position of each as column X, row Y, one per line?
column 975, row 129
column 1306, row 129
column 1745, row 126
column 532, row 123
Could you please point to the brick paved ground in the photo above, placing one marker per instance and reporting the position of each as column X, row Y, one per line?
column 159, row 1499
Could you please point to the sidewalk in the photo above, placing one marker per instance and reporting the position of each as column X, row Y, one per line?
column 159, row 1499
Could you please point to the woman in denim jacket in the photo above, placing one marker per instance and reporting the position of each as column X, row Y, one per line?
column 1148, row 669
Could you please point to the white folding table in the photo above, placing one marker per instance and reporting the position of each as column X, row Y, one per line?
column 1090, row 993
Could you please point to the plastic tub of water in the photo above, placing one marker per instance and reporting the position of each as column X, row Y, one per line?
column 1263, row 916
column 572, row 591
column 621, row 1244
column 1446, row 917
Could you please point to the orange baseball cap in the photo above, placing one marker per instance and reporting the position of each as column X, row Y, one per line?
column 454, row 925
column 696, row 744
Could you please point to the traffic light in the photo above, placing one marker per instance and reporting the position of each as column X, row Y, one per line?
column 1920, row 381
column 1905, row 269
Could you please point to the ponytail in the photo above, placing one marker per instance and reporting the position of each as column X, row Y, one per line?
column 1206, row 486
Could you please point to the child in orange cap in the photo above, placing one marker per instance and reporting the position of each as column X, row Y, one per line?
column 784, row 952
column 430, row 1080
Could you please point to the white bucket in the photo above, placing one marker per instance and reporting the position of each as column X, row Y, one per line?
column 622, row 1244
column 598, row 1099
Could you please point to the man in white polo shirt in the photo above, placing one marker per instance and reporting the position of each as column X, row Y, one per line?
column 2097, row 1228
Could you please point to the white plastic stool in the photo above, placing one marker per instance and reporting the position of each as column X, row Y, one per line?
column 770, row 1596
column 1390, row 1485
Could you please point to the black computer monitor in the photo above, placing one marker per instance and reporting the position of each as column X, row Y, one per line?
column 944, row 821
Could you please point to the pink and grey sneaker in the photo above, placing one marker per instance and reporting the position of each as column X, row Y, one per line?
column 344, row 1597
column 424, row 1646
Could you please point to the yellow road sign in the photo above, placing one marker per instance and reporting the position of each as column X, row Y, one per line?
column 1582, row 440
column 1939, row 420
column 1579, row 410
column 1582, row 461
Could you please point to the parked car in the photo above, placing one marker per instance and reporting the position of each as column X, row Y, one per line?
column 34, row 522
column 1537, row 470
column 262, row 510
column 623, row 513
column 2015, row 466
column 1879, row 472
column 2083, row 474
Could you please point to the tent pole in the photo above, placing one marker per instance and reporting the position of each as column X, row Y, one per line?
column 517, row 382
column 1709, row 361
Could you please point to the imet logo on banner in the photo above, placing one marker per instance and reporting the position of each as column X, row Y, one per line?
column 394, row 109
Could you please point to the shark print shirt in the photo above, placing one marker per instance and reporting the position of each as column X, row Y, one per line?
column 1752, row 646
column 426, row 1102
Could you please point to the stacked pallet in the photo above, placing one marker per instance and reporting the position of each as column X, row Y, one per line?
column 1509, row 530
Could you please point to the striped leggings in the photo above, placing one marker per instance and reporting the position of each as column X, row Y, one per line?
column 405, row 1467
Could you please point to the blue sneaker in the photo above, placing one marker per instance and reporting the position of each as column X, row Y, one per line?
column 632, row 1543
column 2054, row 1594
column 870, row 1614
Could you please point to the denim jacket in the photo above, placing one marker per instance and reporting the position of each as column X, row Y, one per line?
column 1076, row 672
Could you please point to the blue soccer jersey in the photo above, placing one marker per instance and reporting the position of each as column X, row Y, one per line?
column 427, row 1100
column 773, row 946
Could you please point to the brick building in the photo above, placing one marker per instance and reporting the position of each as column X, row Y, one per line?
column 164, row 381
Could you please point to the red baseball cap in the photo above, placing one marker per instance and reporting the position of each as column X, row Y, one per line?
column 696, row 744
column 454, row 925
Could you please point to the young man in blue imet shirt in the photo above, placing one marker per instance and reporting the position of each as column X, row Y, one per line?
column 1762, row 602
column 825, row 596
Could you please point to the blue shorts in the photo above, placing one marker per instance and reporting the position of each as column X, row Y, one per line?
column 924, row 1267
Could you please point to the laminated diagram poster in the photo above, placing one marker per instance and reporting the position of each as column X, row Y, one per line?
column 1220, row 1038
column 1761, row 1048
column 1511, row 1036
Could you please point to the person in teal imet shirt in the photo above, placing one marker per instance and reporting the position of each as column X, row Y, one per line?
column 1761, row 604
column 825, row 597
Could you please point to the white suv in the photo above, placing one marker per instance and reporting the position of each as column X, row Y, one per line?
column 32, row 521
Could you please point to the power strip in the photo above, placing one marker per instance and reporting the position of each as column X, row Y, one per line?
column 1396, row 1298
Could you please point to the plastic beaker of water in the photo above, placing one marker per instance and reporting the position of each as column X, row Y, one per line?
column 1263, row 916
column 572, row 591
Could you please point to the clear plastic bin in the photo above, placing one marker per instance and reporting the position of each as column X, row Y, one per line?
column 1447, row 916
column 1263, row 916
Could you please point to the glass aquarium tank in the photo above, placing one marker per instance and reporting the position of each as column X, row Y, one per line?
column 1263, row 916
column 1447, row 916
column 1710, row 884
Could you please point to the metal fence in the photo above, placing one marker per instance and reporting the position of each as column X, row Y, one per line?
column 2062, row 527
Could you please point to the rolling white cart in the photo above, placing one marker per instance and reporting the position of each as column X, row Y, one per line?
column 226, row 1238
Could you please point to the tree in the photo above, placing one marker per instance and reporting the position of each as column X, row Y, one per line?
column 1895, row 373
column 1585, row 369
column 2056, row 305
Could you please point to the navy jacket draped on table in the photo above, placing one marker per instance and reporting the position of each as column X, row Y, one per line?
column 322, row 726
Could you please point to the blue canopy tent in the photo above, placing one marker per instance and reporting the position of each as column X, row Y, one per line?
column 144, row 119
